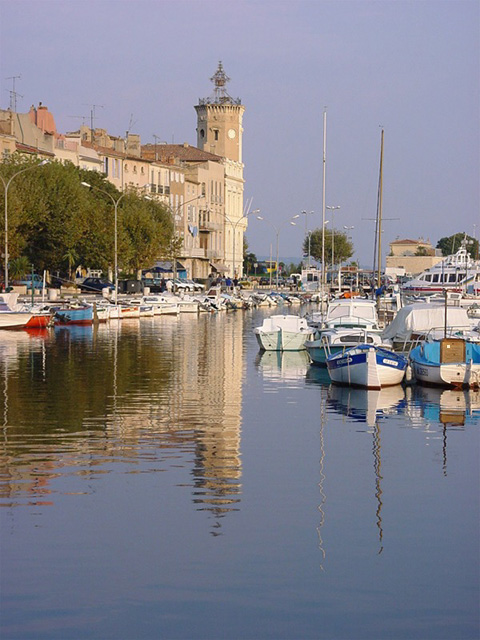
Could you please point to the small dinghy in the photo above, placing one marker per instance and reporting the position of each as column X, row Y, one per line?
column 367, row 366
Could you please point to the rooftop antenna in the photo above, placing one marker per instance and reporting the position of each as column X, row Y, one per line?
column 83, row 118
column 130, row 124
column 14, row 94
column 92, row 117
column 156, row 138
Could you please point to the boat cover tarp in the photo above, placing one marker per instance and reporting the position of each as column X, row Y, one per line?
column 421, row 317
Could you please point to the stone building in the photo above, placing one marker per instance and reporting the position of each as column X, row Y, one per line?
column 414, row 256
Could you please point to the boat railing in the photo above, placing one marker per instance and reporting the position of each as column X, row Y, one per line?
column 436, row 333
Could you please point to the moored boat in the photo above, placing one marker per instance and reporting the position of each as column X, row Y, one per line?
column 367, row 366
column 82, row 315
column 456, row 272
column 332, row 341
column 449, row 362
column 283, row 333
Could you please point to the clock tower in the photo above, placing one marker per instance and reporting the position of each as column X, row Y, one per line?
column 220, row 131
column 219, row 120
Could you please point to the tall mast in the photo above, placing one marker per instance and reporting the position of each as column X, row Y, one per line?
column 323, row 198
column 380, row 195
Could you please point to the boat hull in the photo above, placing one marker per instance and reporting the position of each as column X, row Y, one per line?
column 81, row 316
column 283, row 333
column 367, row 367
column 14, row 319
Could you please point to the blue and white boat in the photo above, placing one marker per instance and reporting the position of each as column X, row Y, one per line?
column 449, row 362
column 367, row 366
column 329, row 342
column 74, row 315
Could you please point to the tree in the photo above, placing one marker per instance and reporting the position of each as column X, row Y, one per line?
column 342, row 246
column 451, row 244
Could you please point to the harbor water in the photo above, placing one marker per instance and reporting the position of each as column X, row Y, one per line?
column 162, row 478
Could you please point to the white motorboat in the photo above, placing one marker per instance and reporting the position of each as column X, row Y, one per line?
column 449, row 362
column 456, row 272
column 352, row 313
column 367, row 366
column 121, row 311
column 162, row 305
column 186, row 304
column 283, row 333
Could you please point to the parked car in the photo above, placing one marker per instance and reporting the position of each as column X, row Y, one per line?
column 93, row 285
column 27, row 281
column 154, row 284
column 188, row 286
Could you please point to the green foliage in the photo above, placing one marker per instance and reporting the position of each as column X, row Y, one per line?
column 451, row 244
column 57, row 223
column 421, row 251
column 19, row 267
column 249, row 262
column 342, row 246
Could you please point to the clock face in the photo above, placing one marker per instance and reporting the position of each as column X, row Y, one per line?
column 231, row 133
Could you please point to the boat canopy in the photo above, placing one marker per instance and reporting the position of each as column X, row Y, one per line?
column 421, row 317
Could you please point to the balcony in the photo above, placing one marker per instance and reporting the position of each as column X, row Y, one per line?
column 206, row 226
column 193, row 252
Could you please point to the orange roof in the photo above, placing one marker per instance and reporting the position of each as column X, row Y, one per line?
column 183, row 152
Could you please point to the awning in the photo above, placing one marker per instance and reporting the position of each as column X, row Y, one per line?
column 166, row 267
column 219, row 267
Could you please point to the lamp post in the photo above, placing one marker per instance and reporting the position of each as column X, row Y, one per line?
column 175, row 212
column 277, row 231
column 6, row 185
column 332, row 209
column 347, row 229
column 306, row 214
column 234, row 225
column 115, row 204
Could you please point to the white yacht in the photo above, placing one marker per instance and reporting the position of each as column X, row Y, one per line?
column 457, row 272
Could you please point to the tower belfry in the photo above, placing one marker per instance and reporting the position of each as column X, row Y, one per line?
column 220, row 80
column 219, row 120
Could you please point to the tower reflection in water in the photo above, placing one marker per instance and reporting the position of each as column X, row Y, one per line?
column 148, row 393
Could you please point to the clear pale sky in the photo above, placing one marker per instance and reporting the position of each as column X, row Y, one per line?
column 410, row 67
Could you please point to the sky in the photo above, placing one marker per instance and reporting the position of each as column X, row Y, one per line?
column 411, row 68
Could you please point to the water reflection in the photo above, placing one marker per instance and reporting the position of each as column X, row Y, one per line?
column 283, row 365
column 146, row 395
column 366, row 406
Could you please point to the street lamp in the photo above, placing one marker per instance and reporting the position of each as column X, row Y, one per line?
column 332, row 209
column 277, row 231
column 6, row 185
column 234, row 225
column 306, row 214
column 347, row 229
column 115, row 204
column 175, row 213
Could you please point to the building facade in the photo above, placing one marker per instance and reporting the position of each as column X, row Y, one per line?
column 220, row 131
column 413, row 256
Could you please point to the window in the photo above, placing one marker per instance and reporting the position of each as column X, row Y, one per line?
column 435, row 277
column 202, row 133
column 215, row 134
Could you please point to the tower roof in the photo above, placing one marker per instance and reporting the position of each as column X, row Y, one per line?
column 220, row 94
